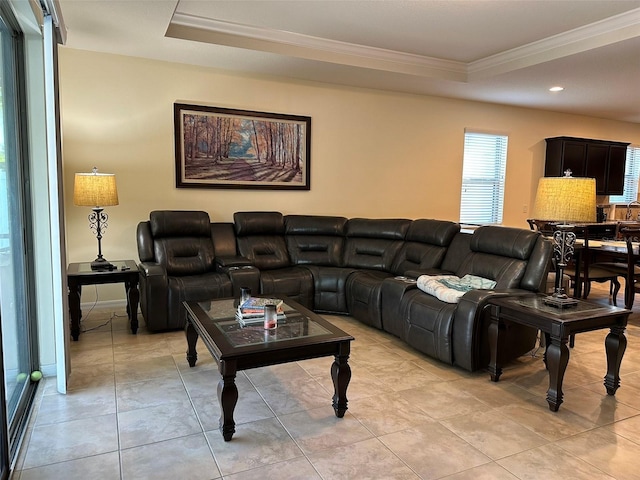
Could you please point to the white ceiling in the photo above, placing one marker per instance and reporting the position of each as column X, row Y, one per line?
column 501, row 51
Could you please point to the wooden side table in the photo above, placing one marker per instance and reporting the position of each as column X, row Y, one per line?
column 78, row 274
column 558, row 325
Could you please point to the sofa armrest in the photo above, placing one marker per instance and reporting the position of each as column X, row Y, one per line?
column 244, row 277
column 224, row 263
column 152, row 269
column 154, row 291
column 471, row 321
column 426, row 271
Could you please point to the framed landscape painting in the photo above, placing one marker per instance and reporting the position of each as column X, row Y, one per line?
column 225, row 148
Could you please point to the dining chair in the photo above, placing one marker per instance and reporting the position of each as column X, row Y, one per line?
column 627, row 268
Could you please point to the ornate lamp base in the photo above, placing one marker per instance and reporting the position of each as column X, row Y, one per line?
column 560, row 301
column 102, row 264
column 564, row 239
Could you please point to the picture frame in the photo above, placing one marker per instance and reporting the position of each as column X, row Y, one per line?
column 228, row 148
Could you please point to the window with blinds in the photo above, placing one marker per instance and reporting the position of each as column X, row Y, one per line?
column 631, row 176
column 483, row 177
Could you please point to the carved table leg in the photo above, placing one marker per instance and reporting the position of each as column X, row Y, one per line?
column 341, row 375
column 557, row 355
column 192, row 338
column 133, row 297
column 547, row 342
column 228, row 397
column 615, row 344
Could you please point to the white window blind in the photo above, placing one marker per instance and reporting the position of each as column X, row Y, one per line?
column 483, row 177
column 631, row 175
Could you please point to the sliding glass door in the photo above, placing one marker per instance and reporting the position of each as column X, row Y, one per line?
column 15, row 308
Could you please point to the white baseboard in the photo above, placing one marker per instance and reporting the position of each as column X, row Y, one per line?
column 105, row 304
column 49, row 370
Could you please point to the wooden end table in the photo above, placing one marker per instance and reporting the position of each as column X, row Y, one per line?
column 558, row 324
column 78, row 274
column 300, row 336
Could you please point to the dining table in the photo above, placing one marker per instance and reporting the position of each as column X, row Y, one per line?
column 588, row 252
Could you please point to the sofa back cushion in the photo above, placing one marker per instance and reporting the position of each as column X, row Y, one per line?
column 182, row 241
column 459, row 249
column 224, row 239
column 500, row 254
column 425, row 245
column 260, row 238
column 315, row 240
column 179, row 223
column 374, row 243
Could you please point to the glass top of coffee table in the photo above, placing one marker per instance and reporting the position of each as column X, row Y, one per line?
column 293, row 325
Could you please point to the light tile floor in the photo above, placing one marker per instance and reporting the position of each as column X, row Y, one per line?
column 135, row 410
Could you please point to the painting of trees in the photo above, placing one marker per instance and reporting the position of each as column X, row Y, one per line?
column 225, row 148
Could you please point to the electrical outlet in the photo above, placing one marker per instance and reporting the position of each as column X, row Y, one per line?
column 525, row 208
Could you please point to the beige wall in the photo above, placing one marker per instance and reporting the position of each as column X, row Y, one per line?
column 373, row 153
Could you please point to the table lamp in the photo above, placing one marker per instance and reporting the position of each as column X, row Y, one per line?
column 96, row 190
column 565, row 200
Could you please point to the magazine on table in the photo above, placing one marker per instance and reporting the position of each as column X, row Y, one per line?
column 255, row 306
column 254, row 320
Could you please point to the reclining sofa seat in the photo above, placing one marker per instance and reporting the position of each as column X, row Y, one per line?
column 176, row 264
column 456, row 333
column 260, row 239
column 426, row 244
column 316, row 243
column 371, row 247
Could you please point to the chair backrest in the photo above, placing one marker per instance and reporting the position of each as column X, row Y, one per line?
column 425, row 245
column 260, row 238
column 631, row 234
column 315, row 240
column 502, row 254
column 546, row 227
column 374, row 243
column 181, row 241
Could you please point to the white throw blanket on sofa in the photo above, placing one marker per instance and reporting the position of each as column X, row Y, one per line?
column 449, row 288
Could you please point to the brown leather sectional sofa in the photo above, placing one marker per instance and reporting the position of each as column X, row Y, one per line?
column 344, row 266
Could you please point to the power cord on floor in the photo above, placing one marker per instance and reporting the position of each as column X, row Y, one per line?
column 534, row 352
column 85, row 317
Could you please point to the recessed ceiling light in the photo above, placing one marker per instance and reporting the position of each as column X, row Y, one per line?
column 556, row 89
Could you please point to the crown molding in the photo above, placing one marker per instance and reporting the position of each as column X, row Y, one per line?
column 598, row 34
column 192, row 27
column 594, row 35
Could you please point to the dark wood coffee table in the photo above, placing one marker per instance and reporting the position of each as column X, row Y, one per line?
column 302, row 335
column 558, row 324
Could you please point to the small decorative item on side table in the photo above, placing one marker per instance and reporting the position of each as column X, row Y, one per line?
column 564, row 199
column 558, row 325
column 123, row 271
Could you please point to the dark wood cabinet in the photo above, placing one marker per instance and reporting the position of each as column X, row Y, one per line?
column 599, row 159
